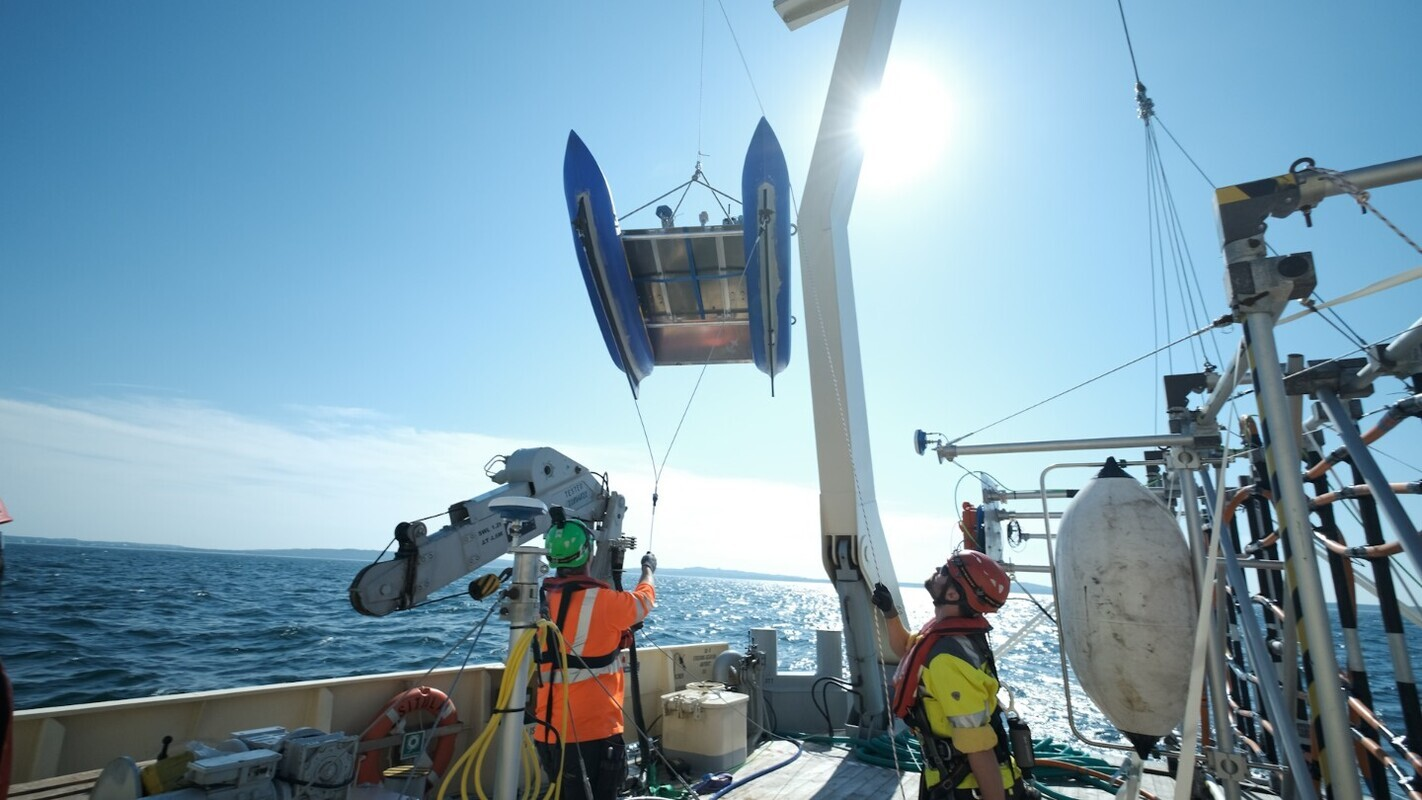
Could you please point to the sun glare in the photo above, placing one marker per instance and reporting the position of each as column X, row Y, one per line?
column 904, row 127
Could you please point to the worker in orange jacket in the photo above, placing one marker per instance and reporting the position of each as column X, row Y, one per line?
column 579, row 709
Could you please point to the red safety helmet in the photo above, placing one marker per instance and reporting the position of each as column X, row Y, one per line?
column 983, row 582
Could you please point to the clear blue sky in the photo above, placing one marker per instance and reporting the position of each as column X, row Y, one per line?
column 283, row 274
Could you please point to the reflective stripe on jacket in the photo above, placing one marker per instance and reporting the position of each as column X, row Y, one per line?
column 594, row 622
column 958, row 691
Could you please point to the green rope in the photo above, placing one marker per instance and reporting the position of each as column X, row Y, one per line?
column 1061, row 776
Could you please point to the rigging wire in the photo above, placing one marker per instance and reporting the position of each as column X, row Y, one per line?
column 1191, row 296
column 867, row 543
column 1163, row 215
column 1168, row 245
column 1195, row 301
column 1337, row 321
column 1152, row 219
column 701, row 86
column 1364, row 200
column 1183, row 151
column 742, row 54
column 1129, row 47
column 697, row 177
column 1363, row 348
column 1310, row 307
column 657, row 470
column 1221, row 322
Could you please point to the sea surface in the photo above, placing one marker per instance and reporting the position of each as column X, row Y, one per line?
column 86, row 624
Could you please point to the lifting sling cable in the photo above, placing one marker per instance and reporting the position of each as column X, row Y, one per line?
column 656, row 468
column 699, row 177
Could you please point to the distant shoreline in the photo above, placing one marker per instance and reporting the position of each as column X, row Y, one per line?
column 369, row 556
column 363, row 556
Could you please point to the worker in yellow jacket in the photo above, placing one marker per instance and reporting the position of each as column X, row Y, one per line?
column 946, row 685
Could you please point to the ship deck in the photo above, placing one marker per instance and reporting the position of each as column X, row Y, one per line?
column 824, row 773
column 819, row 772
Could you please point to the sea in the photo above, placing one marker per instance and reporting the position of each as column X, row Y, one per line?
column 83, row 624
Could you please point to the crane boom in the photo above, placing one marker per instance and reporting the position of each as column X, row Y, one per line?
column 477, row 534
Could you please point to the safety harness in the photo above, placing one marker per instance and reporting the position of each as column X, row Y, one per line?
column 950, row 763
column 549, row 655
column 566, row 586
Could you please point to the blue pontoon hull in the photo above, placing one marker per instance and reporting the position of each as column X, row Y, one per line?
column 713, row 294
column 765, row 190
column 598, row 241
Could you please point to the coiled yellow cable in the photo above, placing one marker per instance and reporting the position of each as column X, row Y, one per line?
column 472, row 759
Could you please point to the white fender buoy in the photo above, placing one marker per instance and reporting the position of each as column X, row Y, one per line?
column 1127, row 602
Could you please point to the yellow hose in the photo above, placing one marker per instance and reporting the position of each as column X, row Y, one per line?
column 473, row 757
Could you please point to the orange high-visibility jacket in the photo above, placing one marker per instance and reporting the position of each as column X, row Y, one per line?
column 594, row 624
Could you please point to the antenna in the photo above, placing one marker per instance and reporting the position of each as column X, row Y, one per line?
column 519, row 509
column 921, row 441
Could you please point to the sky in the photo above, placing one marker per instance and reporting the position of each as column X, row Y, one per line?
column 283, row 275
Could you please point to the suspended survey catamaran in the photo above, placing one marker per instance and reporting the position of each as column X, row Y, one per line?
column 711, row 294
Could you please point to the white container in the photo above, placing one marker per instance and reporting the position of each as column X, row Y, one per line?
column 705, row 725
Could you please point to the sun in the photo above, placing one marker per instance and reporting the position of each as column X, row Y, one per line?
column 904, row 127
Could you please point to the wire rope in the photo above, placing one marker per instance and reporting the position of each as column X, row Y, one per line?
column 1390, row 282
column 1156, row 303
column 1339, row 324
column 1089, row 381
column 741, row 53
column 1129, row 46
column 1183, row 151
column 657, row 468
column 1364, row 200
column 697, row 177
column 1168, row 244
column 1196, row 298
column 701, row 83
column 871, row 551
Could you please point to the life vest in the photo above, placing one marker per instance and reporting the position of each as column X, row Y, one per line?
column 566, row 586
column 584, row 701
column 906, row 677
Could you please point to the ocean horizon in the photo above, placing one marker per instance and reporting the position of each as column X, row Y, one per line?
column 85, row 624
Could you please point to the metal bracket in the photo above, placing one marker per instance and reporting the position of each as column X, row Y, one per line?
column 1253, row 282
column 1337, row 375
column 1227, row 766
column 1182, row 458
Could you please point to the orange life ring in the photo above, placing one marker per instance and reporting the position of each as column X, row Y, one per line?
column 426, row 698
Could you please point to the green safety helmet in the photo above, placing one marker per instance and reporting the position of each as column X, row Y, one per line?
column 569, row 544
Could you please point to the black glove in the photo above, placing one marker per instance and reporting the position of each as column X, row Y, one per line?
column 649, row 561
column 884, row 601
